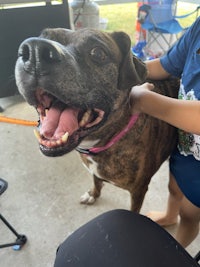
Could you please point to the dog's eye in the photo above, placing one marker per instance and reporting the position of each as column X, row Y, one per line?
column 98, row 54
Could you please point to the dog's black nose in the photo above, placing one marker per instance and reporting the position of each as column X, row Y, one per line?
column 38, row 55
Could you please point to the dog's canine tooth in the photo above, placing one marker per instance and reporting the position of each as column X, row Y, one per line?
column 37, row 135
column 65, row 137
column 85, row 118
column 46, row 111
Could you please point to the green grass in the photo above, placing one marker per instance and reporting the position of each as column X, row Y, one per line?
column 122, row 17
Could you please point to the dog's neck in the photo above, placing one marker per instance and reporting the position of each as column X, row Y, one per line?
column 115, row 139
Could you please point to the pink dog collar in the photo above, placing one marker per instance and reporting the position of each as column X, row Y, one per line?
column 115, row 139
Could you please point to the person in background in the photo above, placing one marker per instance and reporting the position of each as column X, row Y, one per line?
column 183, row 61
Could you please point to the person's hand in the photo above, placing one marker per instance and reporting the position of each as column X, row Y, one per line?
column 136, row 93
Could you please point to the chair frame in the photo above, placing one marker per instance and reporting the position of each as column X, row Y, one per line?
column 21, row 239
column 155, row 32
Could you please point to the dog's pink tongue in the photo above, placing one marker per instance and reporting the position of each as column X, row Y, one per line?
column 57, row 122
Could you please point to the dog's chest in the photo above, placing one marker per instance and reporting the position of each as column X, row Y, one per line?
column 91, row 165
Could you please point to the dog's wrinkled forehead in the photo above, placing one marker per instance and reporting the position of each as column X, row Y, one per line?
column 59, row 35
column 85, row 38
column 114, row 46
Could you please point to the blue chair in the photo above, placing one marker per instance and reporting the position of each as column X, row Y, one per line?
column 158, row 18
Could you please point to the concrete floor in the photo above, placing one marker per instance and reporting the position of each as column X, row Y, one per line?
column 42, row 199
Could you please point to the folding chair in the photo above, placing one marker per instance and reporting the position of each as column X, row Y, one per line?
column 158, row 18
column 21, row 239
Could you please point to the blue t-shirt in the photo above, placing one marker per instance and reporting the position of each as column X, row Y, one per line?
column 183, row 61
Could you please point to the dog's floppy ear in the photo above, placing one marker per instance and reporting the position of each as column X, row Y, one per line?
column 132, row 70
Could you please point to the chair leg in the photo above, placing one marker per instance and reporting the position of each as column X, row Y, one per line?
column 20, row 241
column 164, row 39
column 197, row 257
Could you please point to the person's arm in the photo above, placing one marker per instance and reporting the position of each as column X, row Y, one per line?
column 155, row 70
column 182, row 114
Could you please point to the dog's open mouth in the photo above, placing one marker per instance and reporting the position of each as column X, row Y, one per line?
column 61, row 128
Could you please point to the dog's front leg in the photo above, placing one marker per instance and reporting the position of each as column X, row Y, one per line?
column 91, row 196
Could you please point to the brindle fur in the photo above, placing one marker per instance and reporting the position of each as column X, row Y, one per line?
column 132, row 161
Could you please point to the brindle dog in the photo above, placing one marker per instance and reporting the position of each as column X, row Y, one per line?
column 79, row 82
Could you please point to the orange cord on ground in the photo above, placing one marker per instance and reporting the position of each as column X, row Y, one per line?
column 18, row 121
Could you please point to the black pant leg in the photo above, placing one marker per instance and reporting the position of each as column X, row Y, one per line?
column 121, row 238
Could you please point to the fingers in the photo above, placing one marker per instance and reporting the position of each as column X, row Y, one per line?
column 145, row 86
column 136, row 94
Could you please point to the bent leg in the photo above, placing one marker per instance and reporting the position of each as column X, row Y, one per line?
column 173, row 206
column 188, row 228
column 121, row 238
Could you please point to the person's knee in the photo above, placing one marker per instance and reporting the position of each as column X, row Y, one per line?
column 189, row 213
column 174, row 189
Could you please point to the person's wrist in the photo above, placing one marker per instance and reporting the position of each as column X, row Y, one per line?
column 135, row 101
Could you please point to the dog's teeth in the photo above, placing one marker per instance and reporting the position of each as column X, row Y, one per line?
column 53, row 143
column 47, row 143
column 59, row 142
column 85, row 118
column 65, row 137
column 46, row 111
column 37, row 135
